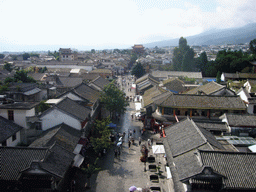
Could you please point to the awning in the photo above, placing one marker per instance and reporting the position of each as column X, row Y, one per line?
column 78, row 160
column 158, row 117
column 158, row 149
column 32, row 92
column 252, row 148
column 168, row 171
column 112, row 125
column 78, row 149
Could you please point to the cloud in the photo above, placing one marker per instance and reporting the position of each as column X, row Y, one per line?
column 98, row 22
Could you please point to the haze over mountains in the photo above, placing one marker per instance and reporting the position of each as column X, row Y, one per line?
column 214, row 37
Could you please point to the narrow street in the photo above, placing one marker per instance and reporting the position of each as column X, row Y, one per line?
column 118, row 174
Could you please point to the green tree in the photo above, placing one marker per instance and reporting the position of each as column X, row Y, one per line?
column 55, row 54
column 25, row 56
column 201, row 62
column 22, row 76
column 8, row 66
column 116, row 51
column 2, row 56
column 90, row 170
column 177, row 59
column 93, row 51
column 138, row 70
column 8, row 80
column 183, row 57
column 113, row 99
column 44, row 69
column 100, row 136
column 188, row 63
column 183, row 44
column 100, row 127
column 253, row 46
column 133, row 59
column 34, row 55
column 218, row 77
column 3, row 88
column 43, row 106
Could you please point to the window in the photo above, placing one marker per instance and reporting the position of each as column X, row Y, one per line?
column 168, row 111
column 10, row 115
column 4, row 143
column 14, row 137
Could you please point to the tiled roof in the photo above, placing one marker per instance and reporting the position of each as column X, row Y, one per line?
column 86, row 92
column 36, row 76
column 68, row 81
column 174, row 85
column 74, row 108
column 22, row 87
column 15, row 159
column 240, row 75
column 187, row 164
column 168, row 74
column 186, row 136
column 208, row 88
column 147, row 77
column 238, row 168
column 211, row 125
column 19, row 105
column 62, row 135
column 237, row 120
column 200, row 102
column 100, row 82
column 101, row 71
column 7, row 128
column 150, row 93
column 58, row 161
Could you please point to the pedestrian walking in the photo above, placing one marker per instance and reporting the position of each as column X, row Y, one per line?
column 129, row 144
column 132, row 116
column 149, row 142
column 139, row 140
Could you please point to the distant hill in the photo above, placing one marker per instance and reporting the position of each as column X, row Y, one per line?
column 214, row 37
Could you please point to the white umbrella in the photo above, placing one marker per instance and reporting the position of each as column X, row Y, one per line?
column 118, row 144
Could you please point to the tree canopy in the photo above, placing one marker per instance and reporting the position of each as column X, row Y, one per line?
column 253, row 46
column 113, row 99
column 138, row 70
column 8, row 66
column 183, row 57
column 22, row 76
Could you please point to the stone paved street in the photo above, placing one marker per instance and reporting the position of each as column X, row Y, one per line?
column 118, row 174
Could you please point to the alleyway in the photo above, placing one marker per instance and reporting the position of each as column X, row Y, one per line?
column 118, row 174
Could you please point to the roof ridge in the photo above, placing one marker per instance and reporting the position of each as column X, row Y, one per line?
column 198, row 130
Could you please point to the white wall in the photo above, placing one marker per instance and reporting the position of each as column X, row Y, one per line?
column 56, row 117
column 10, row 142
column 250, row 108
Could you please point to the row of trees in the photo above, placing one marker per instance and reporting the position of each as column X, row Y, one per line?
column 226, row 60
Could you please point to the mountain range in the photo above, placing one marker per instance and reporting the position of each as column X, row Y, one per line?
column 214, row 37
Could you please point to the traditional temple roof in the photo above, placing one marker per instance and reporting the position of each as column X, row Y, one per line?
column 238, row 168
column 200, row 101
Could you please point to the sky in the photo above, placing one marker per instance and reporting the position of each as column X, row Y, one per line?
column 98, row 24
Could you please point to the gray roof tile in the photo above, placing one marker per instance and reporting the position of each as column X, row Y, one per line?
column 238, row 168
column 200, row 101
column 15, row 159
column 62, row 135
column 7, row 128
